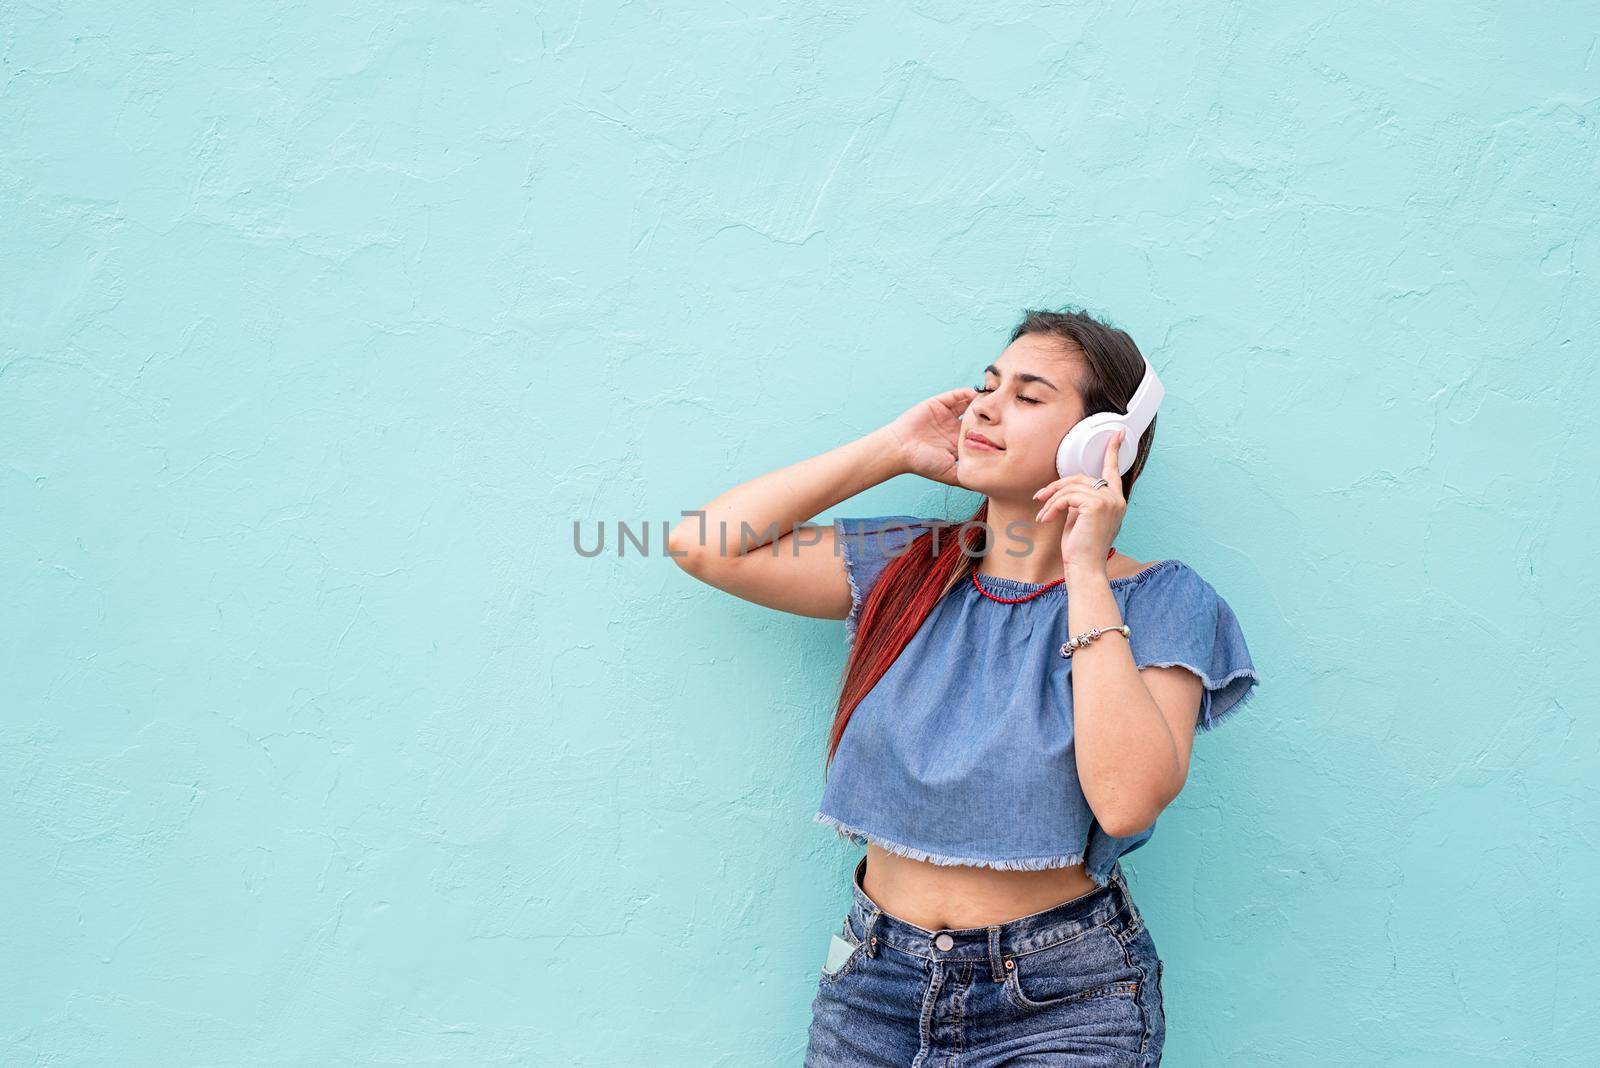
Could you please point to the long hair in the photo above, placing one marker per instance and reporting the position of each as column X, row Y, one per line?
column 911, row 584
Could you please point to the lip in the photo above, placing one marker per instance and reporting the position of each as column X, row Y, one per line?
column 977, row 441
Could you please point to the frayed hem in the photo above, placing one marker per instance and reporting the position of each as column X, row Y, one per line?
column 861, row 838
column 1211, row 719
column 853, row 619
column 1215, row 718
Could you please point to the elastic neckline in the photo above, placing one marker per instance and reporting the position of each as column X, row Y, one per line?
column 997, row 584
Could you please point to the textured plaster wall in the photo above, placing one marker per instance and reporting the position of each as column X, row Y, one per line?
column 320, row 325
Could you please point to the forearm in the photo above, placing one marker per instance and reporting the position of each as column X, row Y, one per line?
column 1127, row 760
column 772, row 504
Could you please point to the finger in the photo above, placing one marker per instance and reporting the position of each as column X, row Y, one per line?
column 957, row 399
column 1071, row 496
column 1112, row 466
column 1055, row 496
column 1060, row 483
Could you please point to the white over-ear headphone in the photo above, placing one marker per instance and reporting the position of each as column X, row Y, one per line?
column 1083, row 450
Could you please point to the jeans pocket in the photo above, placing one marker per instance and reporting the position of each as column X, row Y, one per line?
column 844, row 950
column 1078, row 970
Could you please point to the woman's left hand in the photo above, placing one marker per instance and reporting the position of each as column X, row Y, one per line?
column 1094, row 516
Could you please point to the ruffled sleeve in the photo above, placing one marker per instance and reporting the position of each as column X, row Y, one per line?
column 1177, row 619
column 868, row 546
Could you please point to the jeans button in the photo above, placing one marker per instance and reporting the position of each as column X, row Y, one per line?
column 944, row 941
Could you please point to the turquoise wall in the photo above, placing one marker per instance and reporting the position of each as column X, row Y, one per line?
column 321, row 326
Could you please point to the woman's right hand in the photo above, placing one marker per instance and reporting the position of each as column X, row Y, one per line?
column 927, row 435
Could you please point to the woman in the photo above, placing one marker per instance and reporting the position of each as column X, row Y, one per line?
column 994, row 770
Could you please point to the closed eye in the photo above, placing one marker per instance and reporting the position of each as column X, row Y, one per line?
column 990, row 389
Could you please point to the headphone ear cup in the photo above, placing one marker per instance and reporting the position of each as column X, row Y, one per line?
column 1083, row 450
column 1064, row 466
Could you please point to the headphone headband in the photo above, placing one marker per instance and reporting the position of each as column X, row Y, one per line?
column 1142, row 407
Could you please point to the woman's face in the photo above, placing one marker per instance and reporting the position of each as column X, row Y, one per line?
column 1027, row 402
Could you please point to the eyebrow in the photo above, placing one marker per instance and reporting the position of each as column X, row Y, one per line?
column 1021, row 375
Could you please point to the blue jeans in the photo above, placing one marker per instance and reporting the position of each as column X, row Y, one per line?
column 1077, row 985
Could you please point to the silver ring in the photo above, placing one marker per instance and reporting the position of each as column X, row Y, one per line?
column 1101, row 484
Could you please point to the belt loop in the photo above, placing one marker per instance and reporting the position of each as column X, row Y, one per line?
column 997, row 970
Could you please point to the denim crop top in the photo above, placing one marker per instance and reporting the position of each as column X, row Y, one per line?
column 962, row 753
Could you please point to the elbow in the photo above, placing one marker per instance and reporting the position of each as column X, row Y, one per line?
column 685, row 548
column 1127, row 824
column 1118, row 829
column 1136, row 812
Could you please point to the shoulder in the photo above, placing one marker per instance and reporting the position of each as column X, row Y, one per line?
column 1172, row 594
column 1172, row 588
column 1166, row 575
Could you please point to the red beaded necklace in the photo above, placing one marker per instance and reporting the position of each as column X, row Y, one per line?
column 1028, row 597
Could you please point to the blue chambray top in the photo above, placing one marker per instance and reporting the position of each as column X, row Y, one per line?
column 962, row 753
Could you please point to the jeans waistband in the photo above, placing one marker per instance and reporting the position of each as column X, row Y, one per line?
column 1025, row 934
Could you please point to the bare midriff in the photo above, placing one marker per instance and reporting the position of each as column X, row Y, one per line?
column 951, row 897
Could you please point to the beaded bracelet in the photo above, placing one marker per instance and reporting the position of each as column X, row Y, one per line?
column 1090, row 635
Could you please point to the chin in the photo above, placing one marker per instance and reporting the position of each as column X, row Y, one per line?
column 967, row 478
